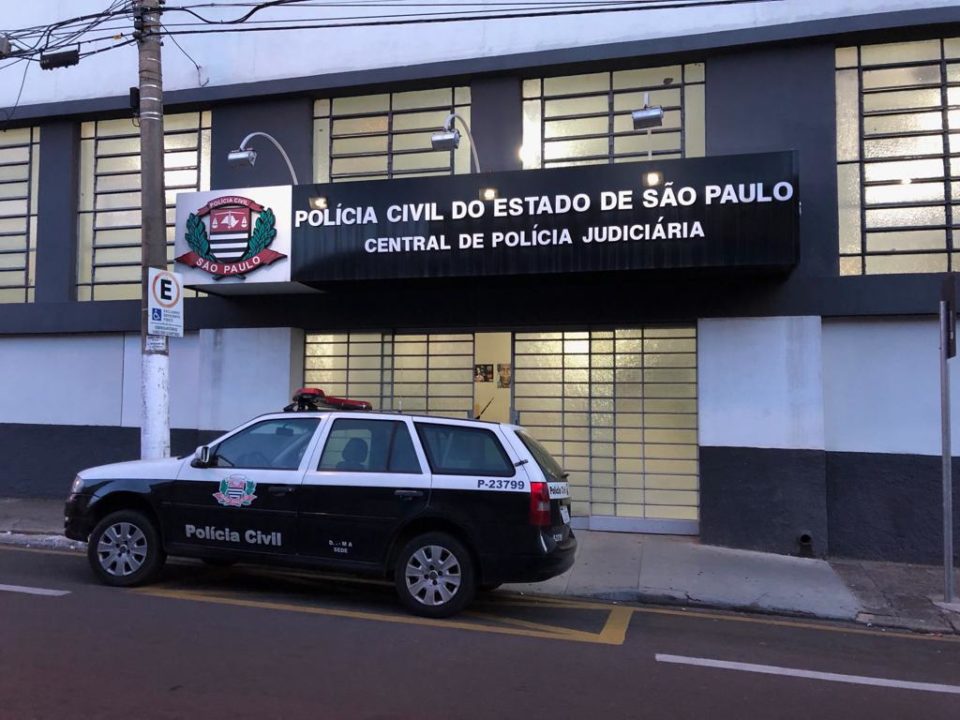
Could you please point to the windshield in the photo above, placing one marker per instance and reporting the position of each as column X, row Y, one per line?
column 551, row 468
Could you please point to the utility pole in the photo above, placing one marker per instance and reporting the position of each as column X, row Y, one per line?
column 155, row 359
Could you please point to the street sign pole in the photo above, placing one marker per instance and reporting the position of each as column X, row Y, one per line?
column 948, row 348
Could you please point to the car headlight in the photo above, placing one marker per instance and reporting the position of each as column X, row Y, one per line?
column 77, row 485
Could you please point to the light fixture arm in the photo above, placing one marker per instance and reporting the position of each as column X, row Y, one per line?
column 448, row 125
column 243, row 146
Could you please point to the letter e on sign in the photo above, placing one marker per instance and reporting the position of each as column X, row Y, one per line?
column 165, row 303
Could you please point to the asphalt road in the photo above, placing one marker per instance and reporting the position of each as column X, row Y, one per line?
column 248, row 642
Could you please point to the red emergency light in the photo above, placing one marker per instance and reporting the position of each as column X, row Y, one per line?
column 307, row 399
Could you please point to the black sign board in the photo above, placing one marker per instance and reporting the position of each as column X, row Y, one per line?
column 738, row 211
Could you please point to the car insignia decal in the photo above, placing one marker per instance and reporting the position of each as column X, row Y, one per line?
column 225, row 239
column 236, row 491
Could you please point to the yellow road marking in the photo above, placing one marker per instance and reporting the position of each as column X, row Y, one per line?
column 614, row 631
column 566, row 634
column 541, row 627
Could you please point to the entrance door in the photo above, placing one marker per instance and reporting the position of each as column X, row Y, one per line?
column 492, row 376
column 369, row 481
column 245, row 502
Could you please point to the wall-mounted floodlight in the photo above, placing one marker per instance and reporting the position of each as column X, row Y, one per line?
column 244, row 155
column 445, row 140
column 239, row 158
column 448, row 138
column 647, row 117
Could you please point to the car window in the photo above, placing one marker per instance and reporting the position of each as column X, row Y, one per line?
column 551, row 468
column 270, row 445
column 365, row 445
column 461, row 450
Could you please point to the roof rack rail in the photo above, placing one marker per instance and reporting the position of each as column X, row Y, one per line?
column 313, row 399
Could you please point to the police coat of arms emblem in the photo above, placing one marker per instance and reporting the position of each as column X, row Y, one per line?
column 226, row 239
column 236, row 491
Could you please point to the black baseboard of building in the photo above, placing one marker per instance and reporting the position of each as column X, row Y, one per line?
column 764, row 499
column 41, row 460
column 888, row 507
column 869, row 506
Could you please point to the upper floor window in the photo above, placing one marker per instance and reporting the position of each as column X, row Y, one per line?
column 586, row 119
column 19, row 175
column 108, row 267
column 377, row 137
column 898, row 157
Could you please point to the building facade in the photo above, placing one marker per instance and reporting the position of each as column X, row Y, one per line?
column 786, row 409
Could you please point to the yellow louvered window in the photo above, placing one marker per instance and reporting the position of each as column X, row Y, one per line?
column 19, row 177
column 586, row 119
column 898, row 157
column 108, row 266
column 377, row 137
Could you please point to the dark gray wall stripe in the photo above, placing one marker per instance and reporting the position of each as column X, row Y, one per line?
column 861, row 505
column 48, row 457
column 57, row 212
column 888, row 507
column 510, row 303
column 760, row 499
column 496, row 120
column 289, row 121
column 779, row 99
column 878, row 27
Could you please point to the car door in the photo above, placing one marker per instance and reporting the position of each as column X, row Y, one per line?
column 246, row 501
column 366, row 481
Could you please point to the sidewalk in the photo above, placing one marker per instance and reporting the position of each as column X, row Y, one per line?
column 674, row 570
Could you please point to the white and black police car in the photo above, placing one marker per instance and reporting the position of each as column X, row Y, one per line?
column 443, row 507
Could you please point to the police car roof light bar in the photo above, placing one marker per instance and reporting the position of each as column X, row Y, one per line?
column 311, row 399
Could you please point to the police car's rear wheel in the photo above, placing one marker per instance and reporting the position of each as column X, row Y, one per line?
column 434, row 575
column 125, row 549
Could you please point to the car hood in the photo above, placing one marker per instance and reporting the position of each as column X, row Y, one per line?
column 166, row 469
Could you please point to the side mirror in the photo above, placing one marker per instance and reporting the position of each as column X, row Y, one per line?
column 201, row 457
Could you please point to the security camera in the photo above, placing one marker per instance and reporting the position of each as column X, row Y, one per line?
column 647, row 117
column 241, row 157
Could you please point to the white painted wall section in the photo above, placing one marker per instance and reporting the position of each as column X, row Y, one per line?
column 62, row 380
column 229, row 58
column 246, row 372
column 218, row 378
column 184, row 380
column 882, row 386
column 760, row 382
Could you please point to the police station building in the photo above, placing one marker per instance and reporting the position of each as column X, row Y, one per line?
column 721, row 321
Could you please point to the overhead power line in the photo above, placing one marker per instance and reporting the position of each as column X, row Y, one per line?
column 443, row 17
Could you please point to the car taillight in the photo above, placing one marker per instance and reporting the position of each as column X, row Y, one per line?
column 539, row 504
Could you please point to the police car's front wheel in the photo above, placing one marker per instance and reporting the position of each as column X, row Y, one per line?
column 125, row 549
column 434, row 575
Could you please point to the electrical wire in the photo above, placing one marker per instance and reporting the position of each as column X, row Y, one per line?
column 200, row 80
column 434, row 18
column 8, row 114
column 485, row 9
